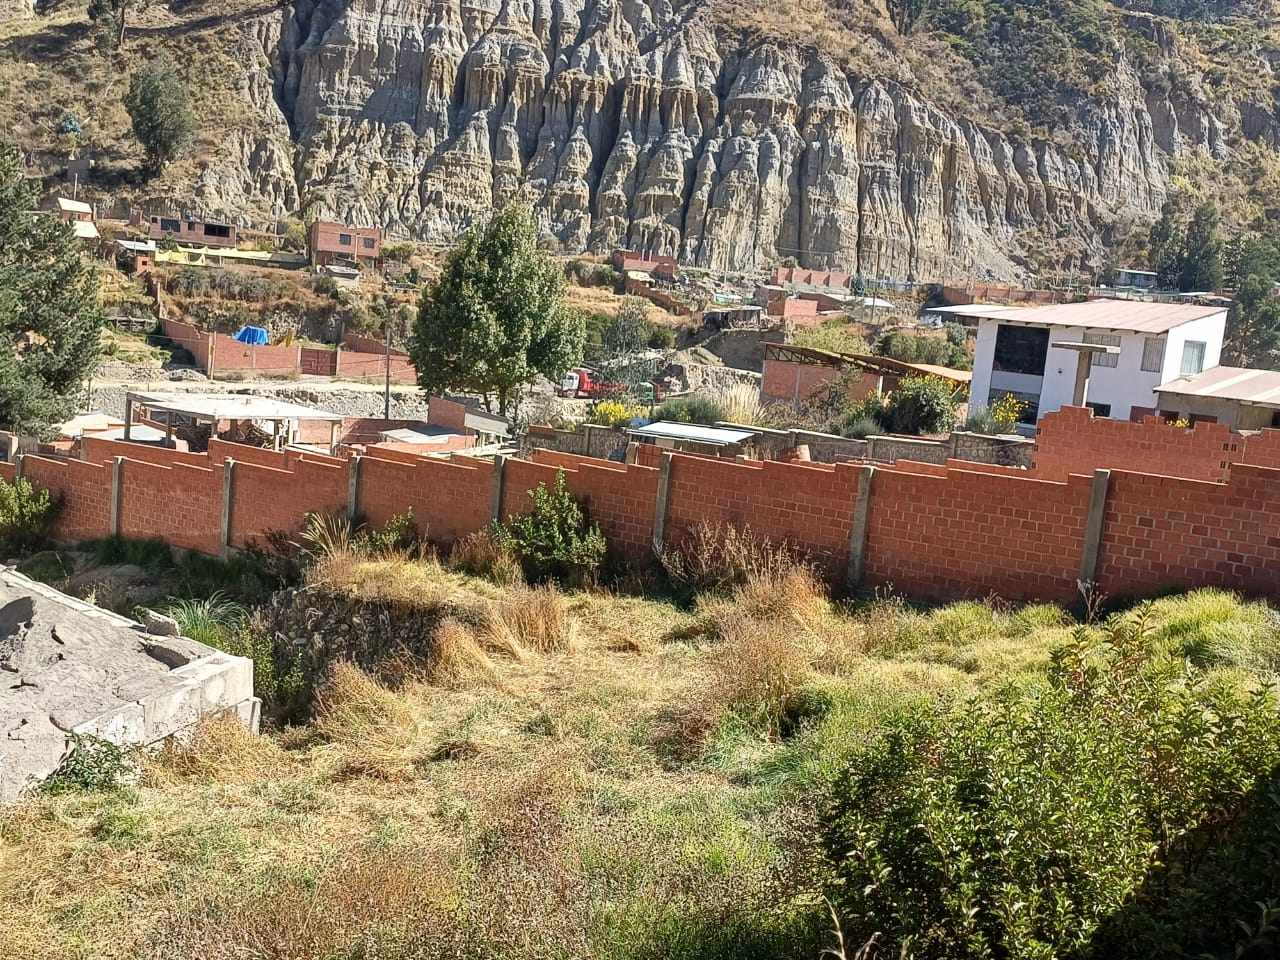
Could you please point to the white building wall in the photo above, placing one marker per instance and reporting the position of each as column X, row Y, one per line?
column 984, row 354
column 1211, row 330
column 1123, row 386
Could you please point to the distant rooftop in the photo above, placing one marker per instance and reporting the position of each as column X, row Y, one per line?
column 73, row 206
column 1130, row 315
column 1259, row 388
column 226, row 406
column 669, row 430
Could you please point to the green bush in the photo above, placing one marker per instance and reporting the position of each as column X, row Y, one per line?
column 26, row 517
column 661, row 337
column 555, row 540
column 695, row 408
column 921, row 405
column 1126, row 808
column 93, row 764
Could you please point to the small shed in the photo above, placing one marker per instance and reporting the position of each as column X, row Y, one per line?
column 240, row 417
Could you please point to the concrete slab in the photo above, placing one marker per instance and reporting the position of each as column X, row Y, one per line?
column 69, row 667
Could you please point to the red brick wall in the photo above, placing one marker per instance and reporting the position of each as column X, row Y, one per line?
column 85, row 489
column 1262, row 449
column 360, row 344
column 181, row 505
column 959, row 530
column 1164, row 533
column 450, row 497
column 1072, row 440
column 620, row 497
column 7, row 471
column 942, row 533
column 323, row 238
column 789, row 381
column 446, row 413
column 810, row 505
column 266, row 499
column 98, row 450
column 368, row 366
column 188, row 337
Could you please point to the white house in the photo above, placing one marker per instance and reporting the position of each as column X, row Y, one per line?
column 1157, row 342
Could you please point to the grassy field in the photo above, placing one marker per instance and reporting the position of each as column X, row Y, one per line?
column 566, row 775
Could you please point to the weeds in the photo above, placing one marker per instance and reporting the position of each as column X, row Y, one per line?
column 489, row 555
column 720, row 557
column 93, row 764
column 27, row 514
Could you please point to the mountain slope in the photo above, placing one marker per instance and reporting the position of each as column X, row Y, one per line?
column 936, row 139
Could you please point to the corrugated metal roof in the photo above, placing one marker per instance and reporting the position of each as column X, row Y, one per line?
column 1258, row 387
column 1133, row 315
column 231, row 406
column 74, row 206
column 669, row 430
column 84, row 229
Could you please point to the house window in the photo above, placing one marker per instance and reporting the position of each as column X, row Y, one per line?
column 1104, row 340
column 344, row 239
column 1100, row 409
column 367, row 243
column 1153, row 354
column 170, row 226
column 1192, row 358
column 217, row 230
column 1020, row 349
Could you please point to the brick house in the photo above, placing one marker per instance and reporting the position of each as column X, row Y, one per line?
column 80, row 216
column 662, row 267
column 204, row 233
column 338, row 243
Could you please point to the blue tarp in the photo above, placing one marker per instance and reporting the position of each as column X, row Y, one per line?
column 254, row 336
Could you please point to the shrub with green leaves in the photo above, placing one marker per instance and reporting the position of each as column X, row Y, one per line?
column 1128, row 807
column 93, row 764
column 555, row 540
column 695, row 408
column 921, row 405
column 27, row 514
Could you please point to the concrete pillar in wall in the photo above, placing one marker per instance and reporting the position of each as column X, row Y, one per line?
column 858, row 533
column 117, row 495
column 495, row 492
column 353, row 487
column 660, row 504
column 1093, row 526
column 228, row 497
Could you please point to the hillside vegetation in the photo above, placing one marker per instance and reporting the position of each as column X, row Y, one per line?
column 600, row 775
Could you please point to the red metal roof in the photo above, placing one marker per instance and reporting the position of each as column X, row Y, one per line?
column 1138, row 316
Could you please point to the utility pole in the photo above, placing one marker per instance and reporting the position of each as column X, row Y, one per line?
column 386, row 377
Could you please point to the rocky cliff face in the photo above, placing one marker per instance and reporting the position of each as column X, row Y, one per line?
column 637, row 123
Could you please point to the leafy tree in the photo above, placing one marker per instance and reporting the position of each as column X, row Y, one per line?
column 160, row 109
column 1201, row 267
column 50, row 322
column 1187, row 257
column 116, row 13
column 917, row 348
column 629, row 329
column 1253, row 332
column 495, row 318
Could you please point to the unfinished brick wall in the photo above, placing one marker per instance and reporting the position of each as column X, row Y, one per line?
column 449, row 498
column 85, row 491
column 7, row 472
column 941, row 533
column 810, row 505
column 1262, row 449
column 1180, row 534
column 181, row 504
column 619, row 497
column 1072, row 440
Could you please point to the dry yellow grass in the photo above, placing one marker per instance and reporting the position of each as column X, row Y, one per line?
column 518, row 807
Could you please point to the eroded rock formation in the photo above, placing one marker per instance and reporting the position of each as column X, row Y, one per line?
column 636, row 123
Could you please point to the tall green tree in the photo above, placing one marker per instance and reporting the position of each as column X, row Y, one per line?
column 116, row 13
column 495, row 318
column 1201, row 267
column 1253, row 330
column 50, row 322
column 628, row 331
column 160, row 109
